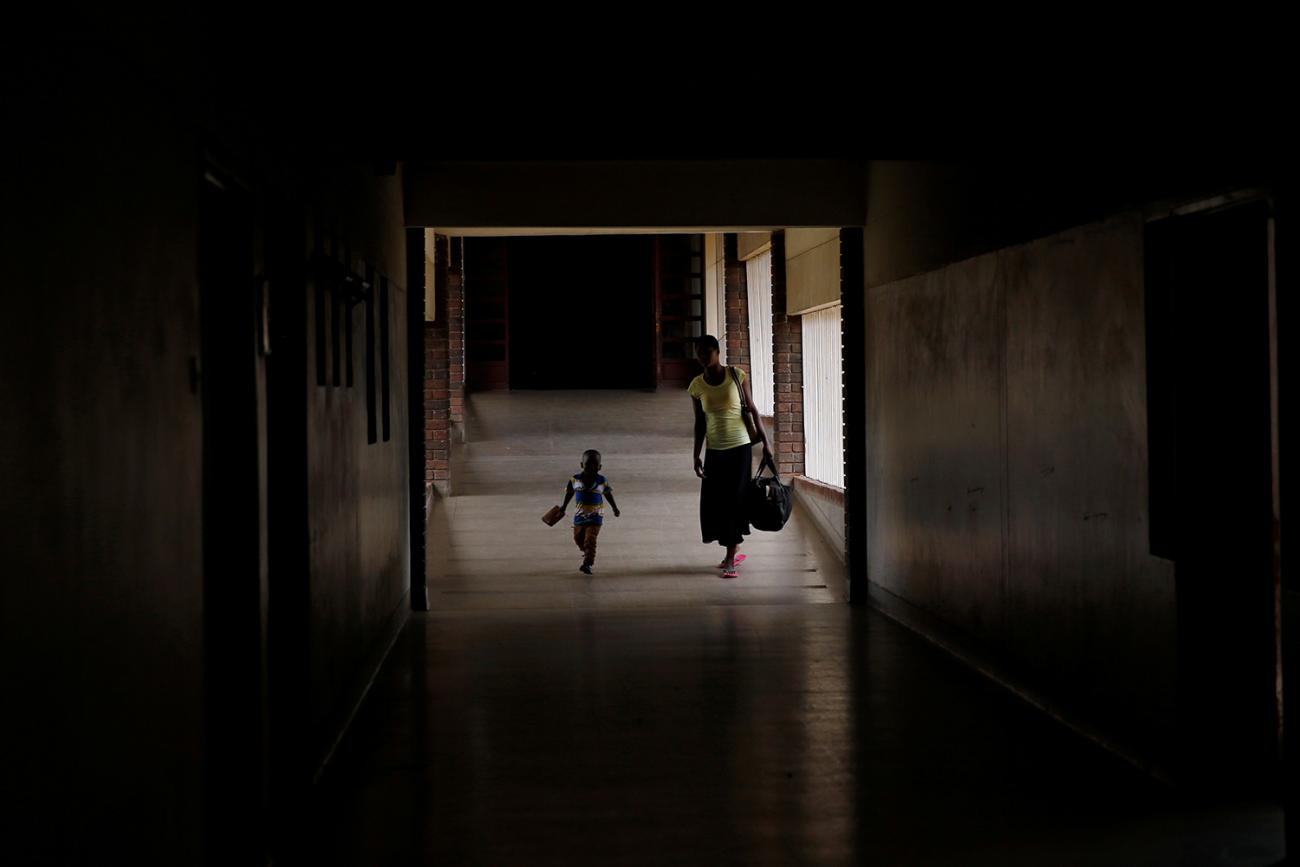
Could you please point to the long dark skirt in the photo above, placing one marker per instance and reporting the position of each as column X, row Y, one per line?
column 722, row 494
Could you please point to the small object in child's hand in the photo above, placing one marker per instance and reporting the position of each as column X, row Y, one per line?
column 553, row 516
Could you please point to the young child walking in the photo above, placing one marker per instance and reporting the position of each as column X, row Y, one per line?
column 591, row 490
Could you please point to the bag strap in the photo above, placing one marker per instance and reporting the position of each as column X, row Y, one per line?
column 766, row 462
column 745, row 405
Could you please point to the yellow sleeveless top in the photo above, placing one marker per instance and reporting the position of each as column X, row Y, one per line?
column 721, row 404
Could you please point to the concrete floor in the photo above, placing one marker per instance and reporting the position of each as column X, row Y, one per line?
column 488, row 547
column 656, row 715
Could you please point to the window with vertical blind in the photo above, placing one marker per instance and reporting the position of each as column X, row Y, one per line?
column 823, row 397
column 758, row 281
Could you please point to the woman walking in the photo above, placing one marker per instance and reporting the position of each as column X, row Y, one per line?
column 719, row 395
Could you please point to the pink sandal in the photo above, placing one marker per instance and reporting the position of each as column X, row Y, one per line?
column 740, row 558
column 730, row 573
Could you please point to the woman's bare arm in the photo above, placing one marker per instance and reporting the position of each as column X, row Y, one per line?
column 701, row 428
column 758, row 420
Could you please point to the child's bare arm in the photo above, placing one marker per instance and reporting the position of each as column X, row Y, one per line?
column 609, row 495
column 568, row 495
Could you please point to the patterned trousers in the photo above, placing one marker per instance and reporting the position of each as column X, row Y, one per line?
column 585, row 538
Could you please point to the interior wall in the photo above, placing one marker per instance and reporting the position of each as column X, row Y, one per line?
column 356, row 497
column 103, row 597
column 1007, row 428
column 101, row 603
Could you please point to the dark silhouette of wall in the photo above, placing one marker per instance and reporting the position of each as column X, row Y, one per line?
column 115, row 644
column 101, row 462
column 1007, row 444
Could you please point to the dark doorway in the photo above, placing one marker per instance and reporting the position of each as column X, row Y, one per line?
column 487, row 314
column 581, row 312
column 679, row 297
column 1211, row 477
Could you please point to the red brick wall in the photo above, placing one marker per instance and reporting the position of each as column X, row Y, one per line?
column 787, row 358
column 737, row 301
column 437, row 378
column 456, row 331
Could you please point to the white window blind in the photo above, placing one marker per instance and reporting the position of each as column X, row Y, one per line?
column 758, row 281
column 823, row 397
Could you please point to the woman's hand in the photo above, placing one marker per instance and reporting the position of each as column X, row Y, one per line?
column 767, row 453
column 699, row 467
